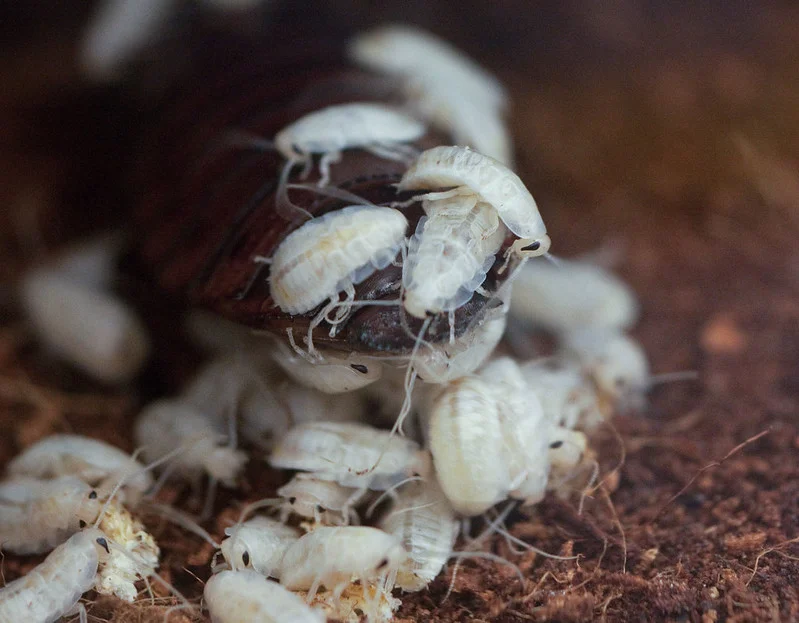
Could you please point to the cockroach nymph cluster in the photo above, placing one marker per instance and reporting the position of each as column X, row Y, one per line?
column 377, row 244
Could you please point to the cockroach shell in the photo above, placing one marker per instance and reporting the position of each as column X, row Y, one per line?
column 206, row 209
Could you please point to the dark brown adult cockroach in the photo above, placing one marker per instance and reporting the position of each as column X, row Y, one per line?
column 207, row 187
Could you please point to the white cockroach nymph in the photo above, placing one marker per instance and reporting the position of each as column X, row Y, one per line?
column 470, row 172
column 572, row 295
column 323, row 501
column 165, row 425
column 52, row 589
column 118, row 31
column 450, row 254
column 93, row 461
column 90, row 329
column 422, row 517
column 614, row 361
column 525, row 429
column 353, row 455
column 367, row 125
column 377, row 128
column 242, row 386
column 258, row 543
column 36, row 515
column 78, row 565
column 329, row 373
column 442, row 85
column 334, row 557
column 408, row 51
column 316, row 261
column 330, row 254
column 91, row 262
column 567, row 396
column 246, row 596
column 263, row 400
column 567, row 450
column 466, row 440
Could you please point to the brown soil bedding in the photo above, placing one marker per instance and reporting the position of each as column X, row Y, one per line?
column 686, row 155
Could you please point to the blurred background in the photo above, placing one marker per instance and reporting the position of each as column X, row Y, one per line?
column 643, row 103
column 667, row 133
